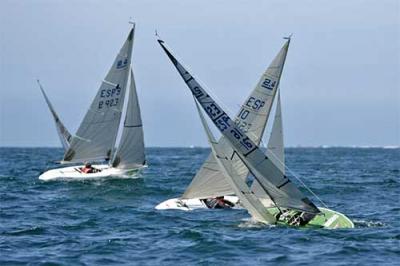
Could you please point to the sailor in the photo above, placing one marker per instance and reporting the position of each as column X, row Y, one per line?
column 87, row 169
column 218, row 203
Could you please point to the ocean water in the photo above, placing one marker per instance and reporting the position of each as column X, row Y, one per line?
column 113, row 221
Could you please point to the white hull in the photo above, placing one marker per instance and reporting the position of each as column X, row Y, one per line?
column 74, row 173
column 191, row 204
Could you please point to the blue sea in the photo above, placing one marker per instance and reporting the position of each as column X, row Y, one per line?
column 113, row 221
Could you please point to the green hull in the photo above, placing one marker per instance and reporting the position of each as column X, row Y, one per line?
column 328, row 219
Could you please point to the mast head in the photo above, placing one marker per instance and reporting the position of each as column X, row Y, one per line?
column 288, row 37
column 159, row 40
column 131, row 22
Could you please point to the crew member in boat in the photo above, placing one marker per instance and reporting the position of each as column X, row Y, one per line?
column 88, row 169
column 218, row 203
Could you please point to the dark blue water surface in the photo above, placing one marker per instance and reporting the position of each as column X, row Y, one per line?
column 114, row 221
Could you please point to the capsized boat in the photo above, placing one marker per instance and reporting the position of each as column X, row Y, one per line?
column 286, row 203
column 96, row 136
column 252, row 117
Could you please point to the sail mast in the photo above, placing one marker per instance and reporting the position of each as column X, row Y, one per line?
column 125, row 105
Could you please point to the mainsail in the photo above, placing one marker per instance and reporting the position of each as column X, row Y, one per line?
column 96, row 136
column 63, row 133
column 252, row 119
column 239, row 186
column 130, row 152
column 278, row 186
column 275, row 152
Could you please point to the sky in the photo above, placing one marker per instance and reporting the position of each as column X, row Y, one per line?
column 340, row 85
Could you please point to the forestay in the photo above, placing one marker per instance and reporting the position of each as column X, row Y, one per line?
column 239, row 186
column 63, row 133
column 130, row 152
column 252, row 119
column 280, row 189
column 96, row 136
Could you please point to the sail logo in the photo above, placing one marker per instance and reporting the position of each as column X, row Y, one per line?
column 122, row 63
column 268, row 84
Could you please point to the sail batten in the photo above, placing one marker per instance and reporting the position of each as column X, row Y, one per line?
column 99, row 128
column 285, row 195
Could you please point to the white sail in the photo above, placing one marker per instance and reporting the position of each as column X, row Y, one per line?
column 96, row 136
column 239, row 186
column 130, row 152
column 278, row 186
column 63, row 133
column 275, row 151
column 275, row 147
column 252, row 119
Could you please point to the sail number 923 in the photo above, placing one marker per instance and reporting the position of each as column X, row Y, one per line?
column 111, row 97
column 109, row 103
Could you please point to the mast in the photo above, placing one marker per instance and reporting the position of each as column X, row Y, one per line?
column 112, row 155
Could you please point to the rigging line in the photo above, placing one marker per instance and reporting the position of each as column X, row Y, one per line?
column 300, row 180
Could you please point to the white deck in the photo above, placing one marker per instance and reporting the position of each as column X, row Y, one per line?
column 74, row 172
column 191, row 204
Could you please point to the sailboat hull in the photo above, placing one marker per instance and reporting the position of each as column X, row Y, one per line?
column 74, row 172
column 331, row 220
column 191, row 204
column 328, row 219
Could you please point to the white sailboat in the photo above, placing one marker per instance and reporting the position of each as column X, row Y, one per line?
column 287, row 204
column 97, row 134
column 210, row 181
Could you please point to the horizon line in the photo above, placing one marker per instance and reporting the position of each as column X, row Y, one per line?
column 207, row 147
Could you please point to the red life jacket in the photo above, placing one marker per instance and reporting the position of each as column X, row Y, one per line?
column 86, row 170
